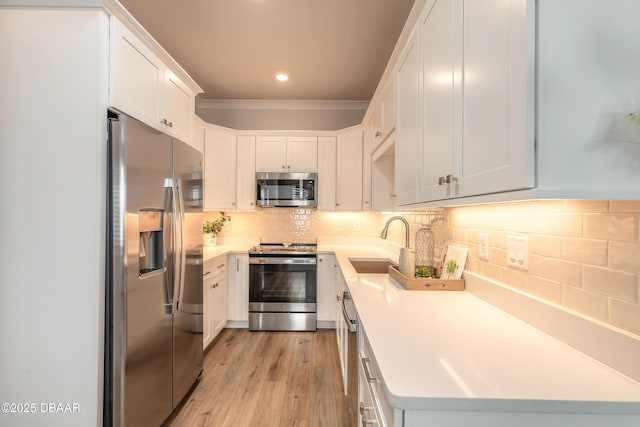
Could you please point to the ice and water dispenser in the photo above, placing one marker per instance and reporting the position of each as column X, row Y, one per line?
column 151, row 249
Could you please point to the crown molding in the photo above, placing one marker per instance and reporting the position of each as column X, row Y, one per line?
column 267, row 104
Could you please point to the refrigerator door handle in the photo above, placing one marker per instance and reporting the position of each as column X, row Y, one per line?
column 169, row 246
column 180, row 253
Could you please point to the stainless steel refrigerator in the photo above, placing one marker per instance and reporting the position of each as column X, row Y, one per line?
column 153, row 339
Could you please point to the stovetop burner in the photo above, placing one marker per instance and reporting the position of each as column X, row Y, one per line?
column 284, row 248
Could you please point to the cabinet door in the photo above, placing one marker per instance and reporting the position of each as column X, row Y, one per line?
column 246, row 173
column 198, row 134
column 389, row 109
column 219, row 302
column 497, row 152
column 136, row 76
column 326, row 173
column 238, row 287
column 177, row 106
column 326, row 287
column 207, row 283
column 441, row 100
column 341, row 327
column 376, row 123
column 271, row 154
column 302, row 154
column 349, row 171
column 368, row 143
column 219, row 170
column 407, row 123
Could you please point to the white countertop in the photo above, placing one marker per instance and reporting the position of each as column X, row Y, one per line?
column 454, row 351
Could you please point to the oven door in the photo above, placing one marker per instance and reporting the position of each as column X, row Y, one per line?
column 282, row 284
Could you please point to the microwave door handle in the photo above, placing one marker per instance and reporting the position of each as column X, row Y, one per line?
column 181, row 258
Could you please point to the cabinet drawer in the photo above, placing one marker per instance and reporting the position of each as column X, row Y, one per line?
column 372, row 379
column 208, row 268
column 219, row 265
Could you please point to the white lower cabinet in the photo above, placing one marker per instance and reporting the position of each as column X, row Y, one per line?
column 374, row 408
column 238, row 314
column 341, row 326
column 326, row 290
column 214, row 298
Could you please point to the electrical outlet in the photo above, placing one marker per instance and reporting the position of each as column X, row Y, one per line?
column 483, row 249
column 518, row 252
column 356, row 226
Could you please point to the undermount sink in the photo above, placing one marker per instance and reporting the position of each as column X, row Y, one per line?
column 372, row 265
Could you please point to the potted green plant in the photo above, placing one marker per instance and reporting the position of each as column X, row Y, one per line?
column 212, row 228
column 423, row 272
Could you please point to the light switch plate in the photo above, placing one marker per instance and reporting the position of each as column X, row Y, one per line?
column 483, row 246
column 518, row 252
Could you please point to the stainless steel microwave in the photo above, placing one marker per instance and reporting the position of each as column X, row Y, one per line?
column 286, row 189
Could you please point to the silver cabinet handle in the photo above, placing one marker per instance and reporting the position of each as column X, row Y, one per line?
column 367, row 372
column 378, row 133
column 167, row 123
column 447, row 179
column 221, row 265
column 206, row 274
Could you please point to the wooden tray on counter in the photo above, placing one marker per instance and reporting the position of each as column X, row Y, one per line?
column 425, row 284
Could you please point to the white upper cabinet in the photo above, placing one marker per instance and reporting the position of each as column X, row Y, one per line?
column 408, row 129
column 383, row 118
column 389, row 109
column 349, row 170
column 514, row 104
column 197, row 141
column 326, row 173
column 497, row 152
column 441, row 62
column 302, row 152
column 246, row 173
column 219, row 169
column 286, row 154
column 142, row 86
column 136, row 76
column 178, row 106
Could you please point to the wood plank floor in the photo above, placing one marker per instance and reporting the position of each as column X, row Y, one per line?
column 268, row 379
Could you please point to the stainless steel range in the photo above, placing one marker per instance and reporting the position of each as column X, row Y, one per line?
column 282, row 287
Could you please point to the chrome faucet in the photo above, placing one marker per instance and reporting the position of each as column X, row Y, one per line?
column 383, row 235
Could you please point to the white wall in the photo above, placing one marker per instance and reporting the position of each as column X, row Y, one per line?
column 52, row 214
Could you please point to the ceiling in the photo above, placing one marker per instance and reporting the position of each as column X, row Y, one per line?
column 331, row 49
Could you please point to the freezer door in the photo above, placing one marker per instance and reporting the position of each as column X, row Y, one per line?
column 188, row 355
column 142, row 244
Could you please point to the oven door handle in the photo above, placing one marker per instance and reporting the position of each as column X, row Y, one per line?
column 283, row 260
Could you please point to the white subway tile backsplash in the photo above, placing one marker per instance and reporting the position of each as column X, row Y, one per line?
column 584, row 254
column 624, row 256
column 612, row 283
column 565, row 272
column 622, row 227
column 586, row 251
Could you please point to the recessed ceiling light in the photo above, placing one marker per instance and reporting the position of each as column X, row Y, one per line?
column 283, row 77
